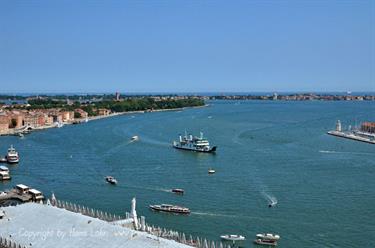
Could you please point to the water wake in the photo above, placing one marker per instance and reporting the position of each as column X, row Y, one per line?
column 216, row 214
column 272, row 201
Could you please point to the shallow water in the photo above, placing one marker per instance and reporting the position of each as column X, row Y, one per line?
column 324, row 185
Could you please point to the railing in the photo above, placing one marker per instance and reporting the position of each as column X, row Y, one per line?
column 179, row 237
column 86, row 211
column 8, row 243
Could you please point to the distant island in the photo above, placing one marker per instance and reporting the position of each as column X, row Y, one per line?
column 20, row 114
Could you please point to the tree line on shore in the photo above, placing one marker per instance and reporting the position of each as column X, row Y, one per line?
column 130, row 104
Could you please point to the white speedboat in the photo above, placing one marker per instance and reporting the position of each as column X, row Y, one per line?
column 211, row 171
column 272, row 203
column 232, row 237
column 12, row 155
column 268, row 236
column 134, row 138
column 111, row 180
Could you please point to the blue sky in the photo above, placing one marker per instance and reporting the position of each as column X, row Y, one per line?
column 186, row 46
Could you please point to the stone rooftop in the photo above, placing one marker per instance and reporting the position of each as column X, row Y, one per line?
column 39, row 226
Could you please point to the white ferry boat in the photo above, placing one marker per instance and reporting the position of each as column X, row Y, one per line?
column 12, row 155
column 196, row 144
column 170, row 209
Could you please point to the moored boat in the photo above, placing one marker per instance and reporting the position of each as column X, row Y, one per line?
column 111, row 180
column 12, row 155
column 232, row 237
column 196, row 144
column 170, row 209
column 4, row 173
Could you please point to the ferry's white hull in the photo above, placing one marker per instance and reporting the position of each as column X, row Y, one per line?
column 194, row 149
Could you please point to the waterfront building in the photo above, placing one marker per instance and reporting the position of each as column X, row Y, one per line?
column 83, row 113
column 67, row 116
column 34, row 119
column 368, row 127
column 103, row 111
column 4, row 123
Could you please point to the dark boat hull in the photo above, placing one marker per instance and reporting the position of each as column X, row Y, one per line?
column 212, row 150
column 169, row 211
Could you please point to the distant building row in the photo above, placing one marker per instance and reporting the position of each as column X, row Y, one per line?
column 17, row 119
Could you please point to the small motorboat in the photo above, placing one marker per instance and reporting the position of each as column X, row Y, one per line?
column 178, row 191
column 111, row 180
column 134, row 138
column 211, row 171
column 265, row 242
column 4, row 173
column 272, row 204
column 268, row 236
column 232, row 237
column 3, row 160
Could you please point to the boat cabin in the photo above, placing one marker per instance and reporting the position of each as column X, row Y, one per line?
column 36, row 195
column 4, row 175
column 4, row 168
column 22, row 189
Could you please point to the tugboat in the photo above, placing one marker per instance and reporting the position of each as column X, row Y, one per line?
column 196, row 144
column 111, row 180
column 232, row 237
column 178, row 191
column 170, row 209
column 12, row 155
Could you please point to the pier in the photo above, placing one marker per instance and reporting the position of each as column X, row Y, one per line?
column 365, row 134
column 352, row 136
column 22, row 193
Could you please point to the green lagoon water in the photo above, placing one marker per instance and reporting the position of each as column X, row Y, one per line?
column 325, row 186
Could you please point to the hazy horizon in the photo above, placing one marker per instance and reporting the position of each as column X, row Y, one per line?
column 168, row 46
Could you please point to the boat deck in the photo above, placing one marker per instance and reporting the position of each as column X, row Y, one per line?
column 13, row 195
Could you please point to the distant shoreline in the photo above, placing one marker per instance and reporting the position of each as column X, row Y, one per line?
column 14, row 132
